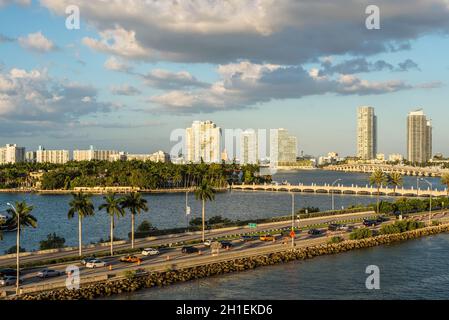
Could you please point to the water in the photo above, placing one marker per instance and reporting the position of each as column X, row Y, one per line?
column 167, row 210
column 416, row 269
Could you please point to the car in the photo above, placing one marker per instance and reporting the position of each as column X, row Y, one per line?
column 315, row 232
column 370, row 223
column 84, row 261
column 189, row 250
column 130, row 259
column 381, row 219
column 150, row 252
column 334, row 227
column 226, row 244
column 8, row 272
column 249, row 238
column 207, row 243
column 8, row 281
column 96, row 263
column 49, row 273
column 266, row 237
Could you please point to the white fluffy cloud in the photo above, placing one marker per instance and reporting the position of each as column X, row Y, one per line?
column 36, row 42
column 275, row 31
column 164, row 79
column 115, row 64
column 34, row 96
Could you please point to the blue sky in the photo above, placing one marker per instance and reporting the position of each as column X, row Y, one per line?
column 251, row 74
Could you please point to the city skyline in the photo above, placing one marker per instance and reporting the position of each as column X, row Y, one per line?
column 113, row 85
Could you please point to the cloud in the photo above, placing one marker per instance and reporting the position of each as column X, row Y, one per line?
column 286, row 32
column 125, row 90
column 163, row 79
column 34, row 96
column 4, row 38
column 245, row 84
column 362, row 65
column 115, row 64
column 19, row 2
column 36, row 42
column 408, row 65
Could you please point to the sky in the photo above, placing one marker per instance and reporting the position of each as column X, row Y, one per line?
column 137, row 70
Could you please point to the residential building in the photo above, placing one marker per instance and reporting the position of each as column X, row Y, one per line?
column 92, row 154
column 11, row 153
column 248, row 147
column 203, row 142
column 159, row 156
column 30, row 156
column 366, row 133
column 52, row 156
column 283, row 148
column 419, row 137
column 396, row 157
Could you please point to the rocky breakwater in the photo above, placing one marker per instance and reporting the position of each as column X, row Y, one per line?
column 104, row 289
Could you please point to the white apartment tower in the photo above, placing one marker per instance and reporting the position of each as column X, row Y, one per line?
column 248, row 147
column 419, row 137
column 11, row 153
column 283, row 147
column 203, row 142
column 52, row 156
column 366, row 133
column 92, row 154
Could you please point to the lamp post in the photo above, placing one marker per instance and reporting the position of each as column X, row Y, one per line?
column 293, row 219
column 332, row 191
column 17, row 248
column 431, row 190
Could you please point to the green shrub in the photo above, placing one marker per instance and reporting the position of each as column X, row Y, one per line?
column 13, row 249
column 361, row 233
column 130, row 274
column 336, row 239
column 52, row 242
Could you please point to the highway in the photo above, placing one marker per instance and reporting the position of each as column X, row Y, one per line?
column 173, row 257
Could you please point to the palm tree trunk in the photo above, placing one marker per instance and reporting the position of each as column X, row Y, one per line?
column 80, row 235
column 132, row 231
column 378, row 198
column 18, row 255
column 112, row 235
column 203, row 216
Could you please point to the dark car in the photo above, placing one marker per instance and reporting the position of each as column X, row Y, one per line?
column 8, row 272
column 249, row 238
column 334, row 227
column 381, row 219
column 226, row 244
column 370, row 223
column 315, row 232
column 190, row 250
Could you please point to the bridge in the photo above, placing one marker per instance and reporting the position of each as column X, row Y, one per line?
column 342, row 189
column 404, row 170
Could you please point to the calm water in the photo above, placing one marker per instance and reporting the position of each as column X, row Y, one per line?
column 417, row 269
column 167, row 210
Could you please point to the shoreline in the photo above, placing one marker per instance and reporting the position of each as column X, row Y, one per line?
column 165, row 278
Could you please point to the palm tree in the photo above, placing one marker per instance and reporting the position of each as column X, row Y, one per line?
column 378, row 178
column 445, row 181
column 204, row 192
column 20, row 217
column 81, row 205
column 114, row 209
column 395, row 180
column 135, row 204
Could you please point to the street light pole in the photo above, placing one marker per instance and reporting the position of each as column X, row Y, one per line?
column 430, row 204
column 332, row 191
column 293, row 218
column 17, row 248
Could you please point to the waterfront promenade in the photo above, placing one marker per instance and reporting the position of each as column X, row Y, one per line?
column 404, row 170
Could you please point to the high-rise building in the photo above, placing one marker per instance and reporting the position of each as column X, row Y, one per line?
column 248, row 147
column 91, row 154
column 283, row 148
column 419, row 137
column 366, row 133
column 52, row 156
column 11, row 153
column 203, row 142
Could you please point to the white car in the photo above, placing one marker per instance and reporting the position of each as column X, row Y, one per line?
column 49, row 273
column 150, row 252
column 208, row 243
column 8, row 281
column 92, row 264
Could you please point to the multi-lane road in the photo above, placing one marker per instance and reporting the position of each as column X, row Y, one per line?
column 172, row 257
